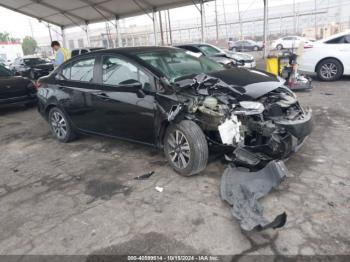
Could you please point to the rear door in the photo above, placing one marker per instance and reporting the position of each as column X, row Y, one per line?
column 127, row 112
column 75, row 85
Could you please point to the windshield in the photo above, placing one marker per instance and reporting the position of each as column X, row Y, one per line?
column 34, row 61
column 176, row 64
column 209, row 50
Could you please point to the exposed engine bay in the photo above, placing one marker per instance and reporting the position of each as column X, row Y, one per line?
column 256, row 126
column 259, row 130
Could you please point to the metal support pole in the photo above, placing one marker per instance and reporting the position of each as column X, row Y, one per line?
column 49, row 27
column 315, row 20
column 266, row 21
column 294, row 19
column 202, row 13
column 216, row 22
column 154, row 18
column 63, row 37
column 118, row 29
column 161, row 28
column 170, row 33
column 240, row 22
column 87, row 34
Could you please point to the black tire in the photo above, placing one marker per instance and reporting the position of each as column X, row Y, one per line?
column 193, row 149
column 329, row 69
column 279, row 47
column 55, row 117
column 256, row 48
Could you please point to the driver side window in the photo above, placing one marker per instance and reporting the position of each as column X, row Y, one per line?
column 116, row 71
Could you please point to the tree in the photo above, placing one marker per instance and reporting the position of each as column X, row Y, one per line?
column 29, row 45
column 4, row 37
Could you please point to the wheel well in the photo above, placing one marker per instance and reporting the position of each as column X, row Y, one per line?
column 163, row 127
column 47, row 110
column 328, row 58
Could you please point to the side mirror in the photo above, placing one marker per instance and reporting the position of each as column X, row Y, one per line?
column 135, row 86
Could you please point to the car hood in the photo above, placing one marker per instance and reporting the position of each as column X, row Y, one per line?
column 239, row 82
column 240, row 56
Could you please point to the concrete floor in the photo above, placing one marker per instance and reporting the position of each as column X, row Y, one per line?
column 81, row 198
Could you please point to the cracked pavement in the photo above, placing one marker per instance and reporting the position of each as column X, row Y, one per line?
column 81, row 198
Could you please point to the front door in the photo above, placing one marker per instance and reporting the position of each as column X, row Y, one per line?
column 126, row 100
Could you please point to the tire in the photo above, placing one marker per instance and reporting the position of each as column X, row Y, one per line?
column 190, row 156
column 279, row 47
column 256, row 48
column 329, row 69
column 60, row 126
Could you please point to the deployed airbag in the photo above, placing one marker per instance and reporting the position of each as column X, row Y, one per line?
column 242, row 189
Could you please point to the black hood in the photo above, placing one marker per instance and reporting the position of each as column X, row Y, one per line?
column 255, row 82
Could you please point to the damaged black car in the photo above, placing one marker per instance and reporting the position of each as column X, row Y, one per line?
column 170, row 99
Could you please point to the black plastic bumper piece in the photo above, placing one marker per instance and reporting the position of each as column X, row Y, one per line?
column 242, row 189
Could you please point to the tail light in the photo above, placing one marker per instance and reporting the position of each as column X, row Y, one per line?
column 37, row 84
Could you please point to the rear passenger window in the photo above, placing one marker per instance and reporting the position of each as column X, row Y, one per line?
column 82, row 70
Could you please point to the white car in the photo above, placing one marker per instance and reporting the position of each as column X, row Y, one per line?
column 288, row 42
column 328, row 58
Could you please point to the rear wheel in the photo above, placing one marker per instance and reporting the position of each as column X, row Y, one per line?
column 279, row 47
column 186, row 148
column 329, row 70
column 60, row 126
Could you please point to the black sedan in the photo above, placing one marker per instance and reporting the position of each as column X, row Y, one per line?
column 31, row 67
column 169, row 99
column 15, row 89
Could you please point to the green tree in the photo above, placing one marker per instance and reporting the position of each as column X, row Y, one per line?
column 29, row 45
column 4, row 37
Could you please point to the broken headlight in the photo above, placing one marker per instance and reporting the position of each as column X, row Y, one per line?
column 250, row 108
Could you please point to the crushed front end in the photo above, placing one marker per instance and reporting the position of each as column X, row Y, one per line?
column 258, row 130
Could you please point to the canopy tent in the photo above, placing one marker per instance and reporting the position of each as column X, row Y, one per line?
column 69, row 13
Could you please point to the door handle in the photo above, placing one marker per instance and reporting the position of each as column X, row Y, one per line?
column 102, row 95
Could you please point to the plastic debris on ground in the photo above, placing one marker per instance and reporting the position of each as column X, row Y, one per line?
column 144, row 176
column 159, row 189
column 242, row 190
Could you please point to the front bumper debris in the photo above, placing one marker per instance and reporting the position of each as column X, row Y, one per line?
column 242, row 189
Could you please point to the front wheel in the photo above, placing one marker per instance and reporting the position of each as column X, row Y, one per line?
column 186, row 148
column 279, row 47
column 329, row 70
column 60, row 126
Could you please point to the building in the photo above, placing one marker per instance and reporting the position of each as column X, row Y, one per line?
column 10, row 50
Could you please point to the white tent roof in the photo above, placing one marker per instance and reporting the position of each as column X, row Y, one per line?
column 69, row 13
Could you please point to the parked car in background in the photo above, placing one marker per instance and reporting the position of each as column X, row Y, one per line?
column 32, row 67
column 80, row 51
column 5, row 63
column 227, row 58
column 246, row 45
column 167, row 98
column 328, row 58
column 288, row 42
column 15, row 89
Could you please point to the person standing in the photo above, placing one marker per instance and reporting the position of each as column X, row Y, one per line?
column 62, row 54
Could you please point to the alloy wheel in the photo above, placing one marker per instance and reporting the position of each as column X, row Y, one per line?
column 179, row 149
column 59, row 125
column 329, row 71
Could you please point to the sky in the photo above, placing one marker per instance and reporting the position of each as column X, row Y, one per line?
column 19, row 25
